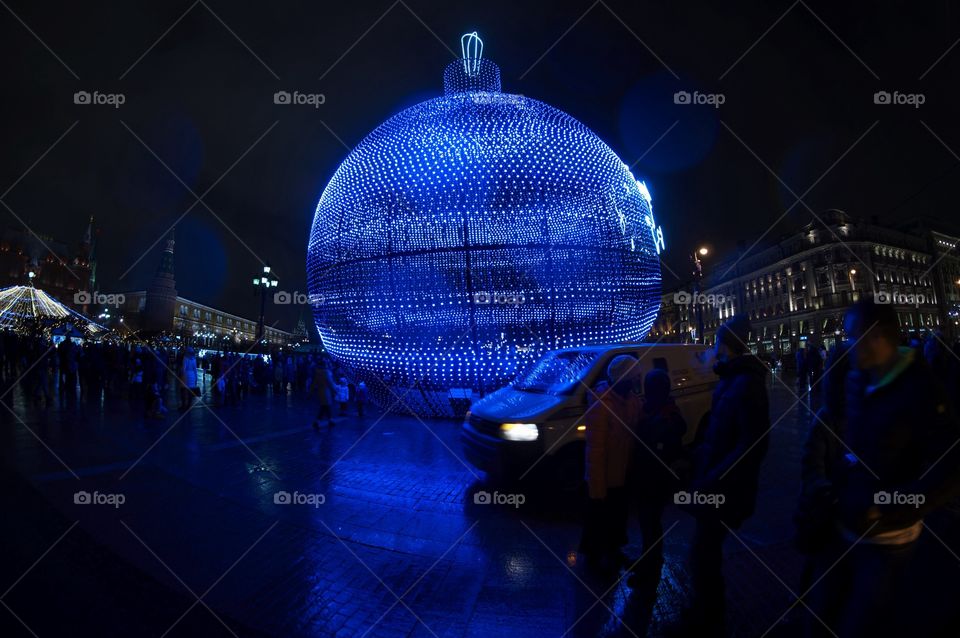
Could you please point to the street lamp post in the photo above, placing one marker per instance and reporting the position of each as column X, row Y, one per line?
column 956, row 310
column 703, row 251
column 262, row 285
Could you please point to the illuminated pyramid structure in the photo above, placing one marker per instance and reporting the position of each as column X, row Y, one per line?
column 22, row 307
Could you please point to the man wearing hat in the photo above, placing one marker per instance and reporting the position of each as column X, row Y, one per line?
column 726, row 470
column 608, row 450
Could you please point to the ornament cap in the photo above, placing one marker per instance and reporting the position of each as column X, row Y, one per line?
column 472, row 73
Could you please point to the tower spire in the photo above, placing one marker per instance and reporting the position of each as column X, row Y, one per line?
column 161, row 295
column 87, row 240
column 90, row 239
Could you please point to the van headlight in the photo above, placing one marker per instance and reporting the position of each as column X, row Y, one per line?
column 519, row 431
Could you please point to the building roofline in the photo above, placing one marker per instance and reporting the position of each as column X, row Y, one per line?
column 212, row 309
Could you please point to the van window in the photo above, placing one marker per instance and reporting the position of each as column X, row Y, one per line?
column 660, row 363
column 556, row 373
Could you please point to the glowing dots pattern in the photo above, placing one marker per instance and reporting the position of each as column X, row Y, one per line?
column 471, row 233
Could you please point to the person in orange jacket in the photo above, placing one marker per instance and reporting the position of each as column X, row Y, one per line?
column 608, row 450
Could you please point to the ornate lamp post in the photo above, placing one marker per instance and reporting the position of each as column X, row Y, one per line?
column 262, row 284
column 703, row 251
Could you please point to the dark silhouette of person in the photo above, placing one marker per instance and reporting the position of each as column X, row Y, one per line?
column 902, row 463
column 322, row 388
column 726, row 472
column 660, row 431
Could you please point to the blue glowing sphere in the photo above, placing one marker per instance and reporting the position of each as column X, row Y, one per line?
column 471, row 233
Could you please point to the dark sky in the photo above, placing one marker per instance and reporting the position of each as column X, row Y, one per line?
column 799, row 99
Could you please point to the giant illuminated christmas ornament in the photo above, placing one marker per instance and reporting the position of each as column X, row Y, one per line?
column 471, row 233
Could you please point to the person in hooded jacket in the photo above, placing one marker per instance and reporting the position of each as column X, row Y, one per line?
column 653, row 481
column 609, row 443
column 726, row 471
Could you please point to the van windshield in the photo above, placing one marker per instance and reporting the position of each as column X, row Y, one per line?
column 557, row 372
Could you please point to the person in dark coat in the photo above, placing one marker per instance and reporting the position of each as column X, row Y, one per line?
column 361, row 396
column 814, row 366
column 322, row 387
column 135, row 384
column 659, row 432
column 803, row 372
column 726, row 471
column 68, row 369
column 821, row 465
column 902, row 464
column 823, row 457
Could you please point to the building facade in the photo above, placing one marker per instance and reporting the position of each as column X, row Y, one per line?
column 204, row 326
column 160, row 309
column 796, row 291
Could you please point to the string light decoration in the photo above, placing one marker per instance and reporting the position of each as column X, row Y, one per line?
column 471, row 233
column 24, row 307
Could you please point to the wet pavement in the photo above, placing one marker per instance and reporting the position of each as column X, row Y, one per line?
column 245, row 521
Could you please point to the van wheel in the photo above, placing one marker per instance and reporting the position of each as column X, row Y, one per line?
column 568, row 467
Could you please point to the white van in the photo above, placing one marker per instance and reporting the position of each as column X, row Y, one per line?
column 538, row 419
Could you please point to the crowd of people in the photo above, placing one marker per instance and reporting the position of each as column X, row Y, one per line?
column 151, row 376
column 882, row 455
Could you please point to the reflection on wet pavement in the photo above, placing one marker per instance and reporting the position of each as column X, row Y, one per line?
column 371, row 527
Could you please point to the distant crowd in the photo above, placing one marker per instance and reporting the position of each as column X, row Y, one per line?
column 812, row 361
column 152, row 376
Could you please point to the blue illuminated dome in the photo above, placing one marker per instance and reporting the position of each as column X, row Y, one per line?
column 471, row 233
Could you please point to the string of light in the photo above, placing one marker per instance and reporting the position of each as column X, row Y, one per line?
column 25, row 305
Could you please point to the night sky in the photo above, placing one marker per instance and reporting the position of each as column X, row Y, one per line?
column 199, row 79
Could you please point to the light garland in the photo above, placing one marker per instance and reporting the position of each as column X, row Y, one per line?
column 21, row 306
column 471, row 233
